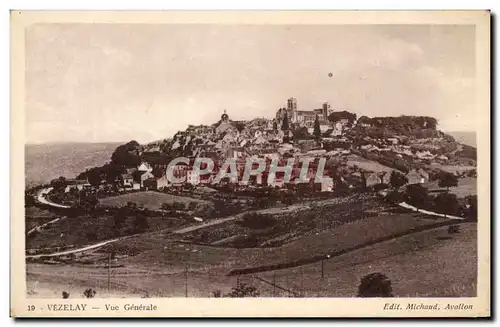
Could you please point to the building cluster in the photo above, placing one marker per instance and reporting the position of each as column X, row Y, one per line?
column 266, row 139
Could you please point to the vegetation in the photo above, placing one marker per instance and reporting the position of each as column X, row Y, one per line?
column 89, row 293
column 375, row 285
column 284, row 124
column 243, row 290
column 417, row 195
column 447, row 203
column 65, row 295
column 447, row 180
column 317, row 130
column 397, row 180
column 339, row 115
column 257, row 221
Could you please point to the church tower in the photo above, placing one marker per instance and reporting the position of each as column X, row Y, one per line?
column 291, row 108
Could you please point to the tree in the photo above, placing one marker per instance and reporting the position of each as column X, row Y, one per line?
column 166, row 206
column 397, row 179
column 447, row 180
column 284, row 124
column 243, row 290
column 118, row 220
column 317, row 130
column 275, row 125
column 141, row 223
column 447, row 203
column 375, row 285
column 89, row 293
column 131, row 205
column 417, row 195
column 192, row 205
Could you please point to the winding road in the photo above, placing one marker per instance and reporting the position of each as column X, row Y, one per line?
column 41, row 198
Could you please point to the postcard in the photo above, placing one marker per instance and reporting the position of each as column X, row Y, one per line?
column 250, row 164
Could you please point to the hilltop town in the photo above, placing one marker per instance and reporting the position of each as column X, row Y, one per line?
column 358, row 149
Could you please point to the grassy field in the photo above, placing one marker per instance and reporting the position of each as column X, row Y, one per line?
column 87, row 230
column 367, row 165
column 455, row 168
column 149, row 199
column 158, row 251
column 425, row 264
column 466, row 186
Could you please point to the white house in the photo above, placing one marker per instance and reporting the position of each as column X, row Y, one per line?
column 144, row 166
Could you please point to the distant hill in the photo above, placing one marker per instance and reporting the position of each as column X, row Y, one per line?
column 45, row 162
column 468, row 138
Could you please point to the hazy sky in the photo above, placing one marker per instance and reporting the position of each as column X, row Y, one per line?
column 113, row 82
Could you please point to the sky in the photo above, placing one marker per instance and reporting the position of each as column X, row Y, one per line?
column 122, row 82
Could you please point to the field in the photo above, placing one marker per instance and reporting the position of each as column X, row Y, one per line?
column 429, row 263
column 454, row 168
column 359, row 233
column 149, row 199
column 466, row 186
column 367, row 165
column 86, row 230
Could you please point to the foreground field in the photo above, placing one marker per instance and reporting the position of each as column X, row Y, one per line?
column 424, row 264
column 149, row 199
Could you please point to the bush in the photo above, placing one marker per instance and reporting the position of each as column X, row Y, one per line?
column 89, row 293
column 417, row 195
column 65, row 295
column 447, row 180
column 447, row 203
column 375, row 285
column 243, row 290
column 257, row 221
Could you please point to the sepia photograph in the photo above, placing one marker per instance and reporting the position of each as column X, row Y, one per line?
column 285, row 158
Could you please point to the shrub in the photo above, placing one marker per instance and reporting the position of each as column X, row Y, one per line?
column 397, row 179
column 417, row 195
column 65, row 295
column 447, row 180
column 89, row 293
column 257, row 221
column 243, row 290
column 447, row 203
column 375, row 285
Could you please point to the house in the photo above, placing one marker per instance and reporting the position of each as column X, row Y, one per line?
column 193, row 177
column 377, row 178
column 327, row 186
column 150, row 184
column 141, row 176
column 372, row 179
column 144, row 166
column 78, row 184
column 126, row 180
column 417, row 176
column 162, row 182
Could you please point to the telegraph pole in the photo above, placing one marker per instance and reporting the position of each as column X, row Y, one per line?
column 323, row 265
column 109, row 272
column 301, row 281
column 186, row 280
column 274, row 283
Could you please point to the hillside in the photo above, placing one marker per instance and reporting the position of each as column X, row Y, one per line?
column 44, row 162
